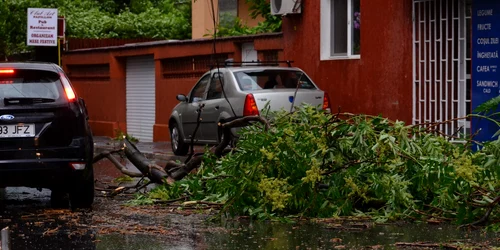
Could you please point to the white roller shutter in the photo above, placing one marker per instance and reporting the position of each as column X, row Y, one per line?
column 140, row 85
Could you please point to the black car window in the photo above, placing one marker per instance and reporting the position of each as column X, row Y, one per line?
column 215, row 89
column 252, row 80
column 198, row 93
column 17, row 83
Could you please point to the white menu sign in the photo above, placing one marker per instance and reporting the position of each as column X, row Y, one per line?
column 42, row 27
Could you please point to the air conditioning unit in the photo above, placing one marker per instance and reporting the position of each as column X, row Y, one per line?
column 285, row 7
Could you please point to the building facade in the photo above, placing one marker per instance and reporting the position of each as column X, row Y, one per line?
column 419, row 61
column 410, row 60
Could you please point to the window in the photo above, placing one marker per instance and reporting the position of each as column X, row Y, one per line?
column 253, row 80
column 31, row 84
column 228, row 12
column 215, row 90
column 340, row 29
column 198, row 93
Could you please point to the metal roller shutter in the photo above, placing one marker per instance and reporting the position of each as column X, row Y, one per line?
column 140, row 86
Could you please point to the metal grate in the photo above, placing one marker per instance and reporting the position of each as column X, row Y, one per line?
column 190, row 67
column 88, row 72
column 442, row 64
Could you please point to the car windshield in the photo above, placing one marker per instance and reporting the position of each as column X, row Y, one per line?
column 253, row 80
column 30, row 84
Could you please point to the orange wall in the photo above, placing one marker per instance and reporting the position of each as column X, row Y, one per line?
column 378, row 83
column 105, row 95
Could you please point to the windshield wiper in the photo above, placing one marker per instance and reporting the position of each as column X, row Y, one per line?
column 26, row 100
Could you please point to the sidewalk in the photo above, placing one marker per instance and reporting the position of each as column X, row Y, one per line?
column 157, row 151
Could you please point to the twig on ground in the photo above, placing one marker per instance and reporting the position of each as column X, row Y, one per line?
column 427, row 245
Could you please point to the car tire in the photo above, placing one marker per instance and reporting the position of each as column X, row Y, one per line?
column 177, row 141
column 82, row 192
column 59, row 198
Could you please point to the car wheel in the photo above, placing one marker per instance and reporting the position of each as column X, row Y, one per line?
column 82, row 192
column 177, row 141
column 59, row 198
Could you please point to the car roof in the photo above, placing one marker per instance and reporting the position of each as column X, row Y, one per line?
column 252, row 68
column 31, row 65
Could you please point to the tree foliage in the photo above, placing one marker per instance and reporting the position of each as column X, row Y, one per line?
column 165, row 19
column 322, row 165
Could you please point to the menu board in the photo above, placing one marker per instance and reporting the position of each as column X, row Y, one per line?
column 485, row 62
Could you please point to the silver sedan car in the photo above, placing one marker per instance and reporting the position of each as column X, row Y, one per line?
column 241, row 91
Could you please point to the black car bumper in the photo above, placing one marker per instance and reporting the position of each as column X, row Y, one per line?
column 44, row 168
column 47, row 173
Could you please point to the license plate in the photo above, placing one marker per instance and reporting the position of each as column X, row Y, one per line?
column 17, row 130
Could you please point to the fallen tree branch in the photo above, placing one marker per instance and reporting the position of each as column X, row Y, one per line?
column 154, row 172
column 118, row 165
column 122, row 168
column 484, row 219
column 245, row 121
column 177, row 171
column 170, row 201
column 190, row 203
column 105, row 154
column 198, row 123
column 426, row 245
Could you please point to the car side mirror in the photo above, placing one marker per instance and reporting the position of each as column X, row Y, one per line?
column 181, row 98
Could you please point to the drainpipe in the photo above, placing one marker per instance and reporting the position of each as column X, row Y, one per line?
column 5, row 239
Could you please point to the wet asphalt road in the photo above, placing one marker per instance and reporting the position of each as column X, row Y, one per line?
column 112, row 224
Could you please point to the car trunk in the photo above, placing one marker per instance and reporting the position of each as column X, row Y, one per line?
column 283, row 98
column 37, row 127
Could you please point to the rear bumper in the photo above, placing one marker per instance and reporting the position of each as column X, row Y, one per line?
column 44, row 168
column 47, row 173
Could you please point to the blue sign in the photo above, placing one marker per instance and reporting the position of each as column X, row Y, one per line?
column 485, row 62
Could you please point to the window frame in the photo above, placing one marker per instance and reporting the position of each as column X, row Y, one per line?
column 326, row 22
column 213, row 80
column 221, row 12
column 204, row 98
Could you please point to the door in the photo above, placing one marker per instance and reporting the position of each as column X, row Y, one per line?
column 190, row 111
column 248, row 53
column 212, row 109
column 140, row 97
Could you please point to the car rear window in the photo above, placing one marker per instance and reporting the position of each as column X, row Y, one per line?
column 272, row 79
column 23, row 83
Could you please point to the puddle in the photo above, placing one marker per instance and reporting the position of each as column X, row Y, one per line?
column 261, row 235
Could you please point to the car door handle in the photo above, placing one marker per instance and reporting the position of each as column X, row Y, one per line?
column 217, row 107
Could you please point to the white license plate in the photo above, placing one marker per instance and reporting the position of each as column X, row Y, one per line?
column 17, row 130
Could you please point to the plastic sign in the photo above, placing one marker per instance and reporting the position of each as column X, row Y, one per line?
column 42, row 27
column 485, row 62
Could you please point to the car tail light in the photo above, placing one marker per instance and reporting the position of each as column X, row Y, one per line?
column 326, row 102
column 6, row 71
column 78, row 165
column 250, row 107
column 70, row 93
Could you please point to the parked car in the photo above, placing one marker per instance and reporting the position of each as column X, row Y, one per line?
column 230, row 92
column 45, row 138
